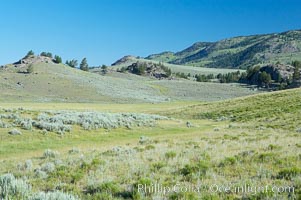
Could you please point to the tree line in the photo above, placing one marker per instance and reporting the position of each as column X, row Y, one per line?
column 255, row 75
column 258, row 76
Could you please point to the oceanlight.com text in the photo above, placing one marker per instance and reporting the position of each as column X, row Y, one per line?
column 214, row 188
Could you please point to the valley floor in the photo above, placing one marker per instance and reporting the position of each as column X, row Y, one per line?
column 221, row 150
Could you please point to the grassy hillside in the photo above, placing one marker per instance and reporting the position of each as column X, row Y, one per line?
column 238, row 52
column 56, row 82
column 128, row 60
column 280, row 110
column 249, row 142
column 50, row 82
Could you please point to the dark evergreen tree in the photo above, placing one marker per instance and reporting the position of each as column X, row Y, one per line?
column 139, row 69
column 104, row 69
column 57, row 59
column 84, row 65
column 46, row 54
column 72, row 63
column 265, row 78
column 296, row 74
column 29, row 54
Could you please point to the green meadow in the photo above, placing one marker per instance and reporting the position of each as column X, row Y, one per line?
column 243, row 148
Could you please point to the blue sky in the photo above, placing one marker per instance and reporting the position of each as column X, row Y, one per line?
column 105, row 30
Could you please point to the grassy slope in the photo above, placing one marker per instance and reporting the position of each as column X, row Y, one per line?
column 51, row 82
column 259, row 145
column 277, row 110
column 238, row 51
column 59, row 83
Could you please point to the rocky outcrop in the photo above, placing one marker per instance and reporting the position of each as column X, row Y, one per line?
column 158, row 71
column 123, row 60
column 25, row 62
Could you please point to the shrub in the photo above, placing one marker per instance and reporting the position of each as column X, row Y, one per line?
column 4, row 125
column 119, row 150
column 40, row 174
column 28, row 165
column 15, row 132
column 170, row 155
column 74, row 150
column 144, row 140
column 266, row 157
column 157, row 166
column 289, row 173
column 48, row 153
column 199, row 168
column 107, row 187
column 185, row 195
column 60, row 122
column 149, row 147
column 25, row 123
column 272, row 147
column 9, row 116
column 228, row 161
column 122, row 70
column 145, row 182
column 57, row 127
column 57, row 195
column 48, row 167
column 189, row 124
column 12, row 188
column 58, row 162
column 93, row 120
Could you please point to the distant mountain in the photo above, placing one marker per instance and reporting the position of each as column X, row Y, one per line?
column 238, row 52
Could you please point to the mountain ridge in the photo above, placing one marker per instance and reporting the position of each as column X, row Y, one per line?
column 238, row 52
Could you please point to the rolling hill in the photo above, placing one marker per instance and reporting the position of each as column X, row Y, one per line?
column 238, row 52
column 175, row 68
column 261, row 110
column 51, row 82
